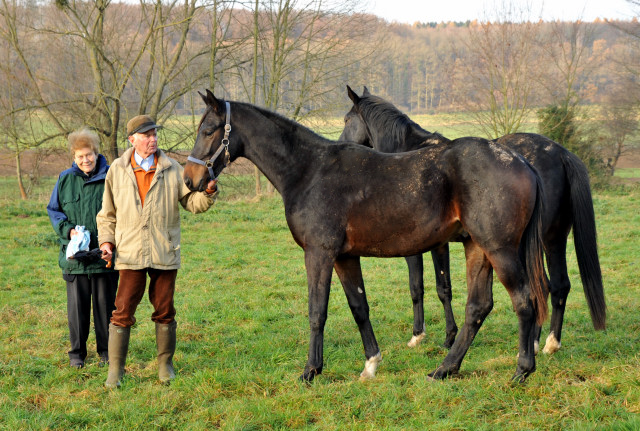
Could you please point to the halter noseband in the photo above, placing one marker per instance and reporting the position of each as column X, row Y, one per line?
column 224, row 145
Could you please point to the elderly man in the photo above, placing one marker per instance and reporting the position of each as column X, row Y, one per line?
column 139, row 229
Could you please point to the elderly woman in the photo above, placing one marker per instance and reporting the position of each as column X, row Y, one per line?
column 75, row 201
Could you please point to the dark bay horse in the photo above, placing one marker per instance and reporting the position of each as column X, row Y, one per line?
column 343, row 201
column 374, row 122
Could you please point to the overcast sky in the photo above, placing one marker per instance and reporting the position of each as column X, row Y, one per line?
column 410, row 11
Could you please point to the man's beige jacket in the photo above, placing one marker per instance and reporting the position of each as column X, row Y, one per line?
column 149, row 236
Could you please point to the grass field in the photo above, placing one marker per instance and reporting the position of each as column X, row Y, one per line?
column 243, row 339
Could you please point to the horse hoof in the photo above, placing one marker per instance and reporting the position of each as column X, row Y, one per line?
column 552, row 345
column 370, row 367
column 416, row 339
column 518, row 379
column 308, row 376
column 438, row 374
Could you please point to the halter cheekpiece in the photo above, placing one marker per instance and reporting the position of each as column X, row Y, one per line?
column 224, row 145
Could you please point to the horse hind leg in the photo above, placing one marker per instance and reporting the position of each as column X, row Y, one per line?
column 559, row 286
column 511, row 273
column 416, row 287
column 350, row 274
column 479, row 305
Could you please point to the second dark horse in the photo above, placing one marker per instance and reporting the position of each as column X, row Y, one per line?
column 374, row 122
column 343, row 201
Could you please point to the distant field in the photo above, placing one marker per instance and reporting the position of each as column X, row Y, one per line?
column 628, row 173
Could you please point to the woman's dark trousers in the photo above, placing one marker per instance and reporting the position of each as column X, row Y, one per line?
column 83, row 291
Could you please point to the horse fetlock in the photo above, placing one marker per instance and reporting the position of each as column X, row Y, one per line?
column 451, row 338
column 370, row 367
column 526, row 365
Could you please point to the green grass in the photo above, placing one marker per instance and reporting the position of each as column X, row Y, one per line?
column 243, row 339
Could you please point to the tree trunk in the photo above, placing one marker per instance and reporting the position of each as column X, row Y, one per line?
column 23, row 193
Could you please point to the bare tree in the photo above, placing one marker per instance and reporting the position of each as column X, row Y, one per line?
column 24, row 113
column 619, row 129
column 298, row 54
column 496, row 72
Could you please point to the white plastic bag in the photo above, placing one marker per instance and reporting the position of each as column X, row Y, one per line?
column 80, row 241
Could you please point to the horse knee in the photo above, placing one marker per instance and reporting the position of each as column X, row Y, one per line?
column 316, row 324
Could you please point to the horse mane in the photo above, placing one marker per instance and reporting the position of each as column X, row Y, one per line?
column 289, row 126
column 387, row 117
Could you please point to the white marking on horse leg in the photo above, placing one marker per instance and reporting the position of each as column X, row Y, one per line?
column 552, row 345
column 536, row 347
column 416, row 339
column 360, row 290
column 370, row 367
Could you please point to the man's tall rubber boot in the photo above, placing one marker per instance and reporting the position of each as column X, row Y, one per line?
column 118, row 348
column 166, row 342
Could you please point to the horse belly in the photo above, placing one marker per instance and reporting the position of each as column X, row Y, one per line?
column 396, row 239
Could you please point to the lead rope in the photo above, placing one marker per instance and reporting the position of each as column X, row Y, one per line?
column 224, row 145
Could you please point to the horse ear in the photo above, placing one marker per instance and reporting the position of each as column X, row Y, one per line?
column 204, row 98
column 353, row 96
column 365, row 92
column 211, row 101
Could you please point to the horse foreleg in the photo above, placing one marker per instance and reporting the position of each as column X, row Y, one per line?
column 319, row 270
column 350, row 273
column 441, row 266
column 416, row 287
column 479, row 305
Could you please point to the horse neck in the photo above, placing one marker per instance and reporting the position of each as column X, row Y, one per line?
column 283, row 150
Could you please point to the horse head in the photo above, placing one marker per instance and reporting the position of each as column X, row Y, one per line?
column 215, row 145
column 355, row 128
column 377, row 123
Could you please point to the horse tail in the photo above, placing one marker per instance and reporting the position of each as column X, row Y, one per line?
column 585, row 237
column 532, row 249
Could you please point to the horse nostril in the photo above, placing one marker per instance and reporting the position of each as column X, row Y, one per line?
column 187, row 182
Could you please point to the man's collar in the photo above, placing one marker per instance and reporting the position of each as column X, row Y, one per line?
column 144, row 163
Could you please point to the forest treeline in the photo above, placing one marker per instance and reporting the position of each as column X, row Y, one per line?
column 67, row 64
